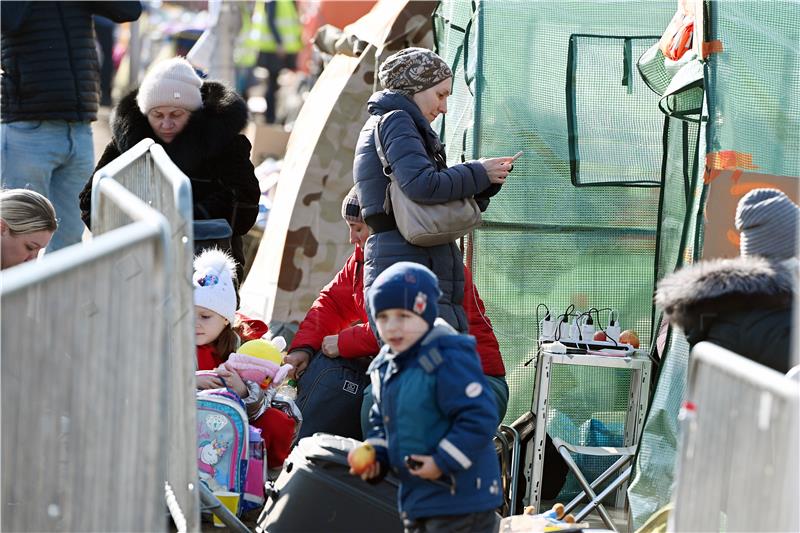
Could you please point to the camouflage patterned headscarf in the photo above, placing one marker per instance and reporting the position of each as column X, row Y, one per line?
column 412, row 70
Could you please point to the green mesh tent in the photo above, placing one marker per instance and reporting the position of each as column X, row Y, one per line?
column 605, row 200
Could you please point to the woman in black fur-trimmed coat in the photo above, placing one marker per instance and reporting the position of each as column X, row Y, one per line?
column 742, row 304
column 205, row 143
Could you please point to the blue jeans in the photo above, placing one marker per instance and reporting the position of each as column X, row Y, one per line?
column 54, row 158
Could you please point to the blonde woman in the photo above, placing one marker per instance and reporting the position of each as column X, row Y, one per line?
column 27, row 223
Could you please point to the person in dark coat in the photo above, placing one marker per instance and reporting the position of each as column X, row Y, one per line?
column 198, row 124
column 50, row 82
column 743, row 304
column 417, row 83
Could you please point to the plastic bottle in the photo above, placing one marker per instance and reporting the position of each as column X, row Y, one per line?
column 287, row 390
column 284, row 400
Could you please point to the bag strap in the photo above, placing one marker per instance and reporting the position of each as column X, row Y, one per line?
column 376, row 133
column 386, row 167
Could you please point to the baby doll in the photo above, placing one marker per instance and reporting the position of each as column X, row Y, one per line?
column 260, row 361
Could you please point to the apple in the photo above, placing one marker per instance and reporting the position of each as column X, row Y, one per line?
column 361, row 458
column 600, row 335
column 629, row 337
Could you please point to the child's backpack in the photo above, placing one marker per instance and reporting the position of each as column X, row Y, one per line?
column 253, row 496
column 222, row 440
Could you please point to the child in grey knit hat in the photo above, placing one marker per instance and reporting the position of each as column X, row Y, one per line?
column 767, row 221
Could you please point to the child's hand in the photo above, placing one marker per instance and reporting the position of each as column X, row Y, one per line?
column 428, row 470
column 369, row 473
column 208, row 381
column 234, row 381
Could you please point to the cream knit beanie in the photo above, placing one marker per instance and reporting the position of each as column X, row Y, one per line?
column 173, row 82
column 214, row 272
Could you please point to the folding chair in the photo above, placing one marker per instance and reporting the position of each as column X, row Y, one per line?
column 626, row 454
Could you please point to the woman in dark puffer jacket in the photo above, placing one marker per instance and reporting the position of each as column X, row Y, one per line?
column 417, row 83
column 198, row 124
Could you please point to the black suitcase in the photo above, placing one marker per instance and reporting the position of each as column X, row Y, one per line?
column 315, row 493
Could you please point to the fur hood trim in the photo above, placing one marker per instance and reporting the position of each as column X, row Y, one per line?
column 724, row 284
column 210, row 129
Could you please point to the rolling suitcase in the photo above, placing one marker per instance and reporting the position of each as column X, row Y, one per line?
column 315, row 493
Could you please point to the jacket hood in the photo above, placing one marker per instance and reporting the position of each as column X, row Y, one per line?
column 724, row 285
column 210, row 129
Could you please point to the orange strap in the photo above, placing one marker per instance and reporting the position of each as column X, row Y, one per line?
column 717, row 162
column 730, row 160
column 711, row 47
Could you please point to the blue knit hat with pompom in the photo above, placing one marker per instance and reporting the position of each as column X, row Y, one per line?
column 406, row 285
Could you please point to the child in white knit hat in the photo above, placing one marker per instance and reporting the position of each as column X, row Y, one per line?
column 216, row 340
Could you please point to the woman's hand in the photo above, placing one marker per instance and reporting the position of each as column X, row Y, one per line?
column 299, row 360
column 428, row 470
column 234, row 381
column 497, row 168
column 208, row 381
column 330, row 346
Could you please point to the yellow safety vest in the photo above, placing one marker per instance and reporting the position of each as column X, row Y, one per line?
column 258, row 36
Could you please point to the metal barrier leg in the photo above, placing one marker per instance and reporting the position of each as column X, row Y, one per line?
column 210, row 502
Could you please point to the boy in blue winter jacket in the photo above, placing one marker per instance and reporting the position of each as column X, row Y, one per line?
column 433, row 415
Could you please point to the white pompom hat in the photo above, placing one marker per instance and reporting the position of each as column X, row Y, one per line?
column 172, row 82
column 214, row 272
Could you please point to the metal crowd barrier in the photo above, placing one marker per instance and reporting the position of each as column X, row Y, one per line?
column 738, row 467
column 149, row 174
column 83, row 440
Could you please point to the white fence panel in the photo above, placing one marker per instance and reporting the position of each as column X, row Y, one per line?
column 83, row 439
column 738, row 469
column 147, row 172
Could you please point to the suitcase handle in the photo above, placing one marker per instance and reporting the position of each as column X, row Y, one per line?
column 336, row 459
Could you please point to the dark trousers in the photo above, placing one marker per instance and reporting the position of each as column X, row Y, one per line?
column 274, row 64
column 484, row 522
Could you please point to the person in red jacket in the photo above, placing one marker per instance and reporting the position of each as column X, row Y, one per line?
column 337, row 322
